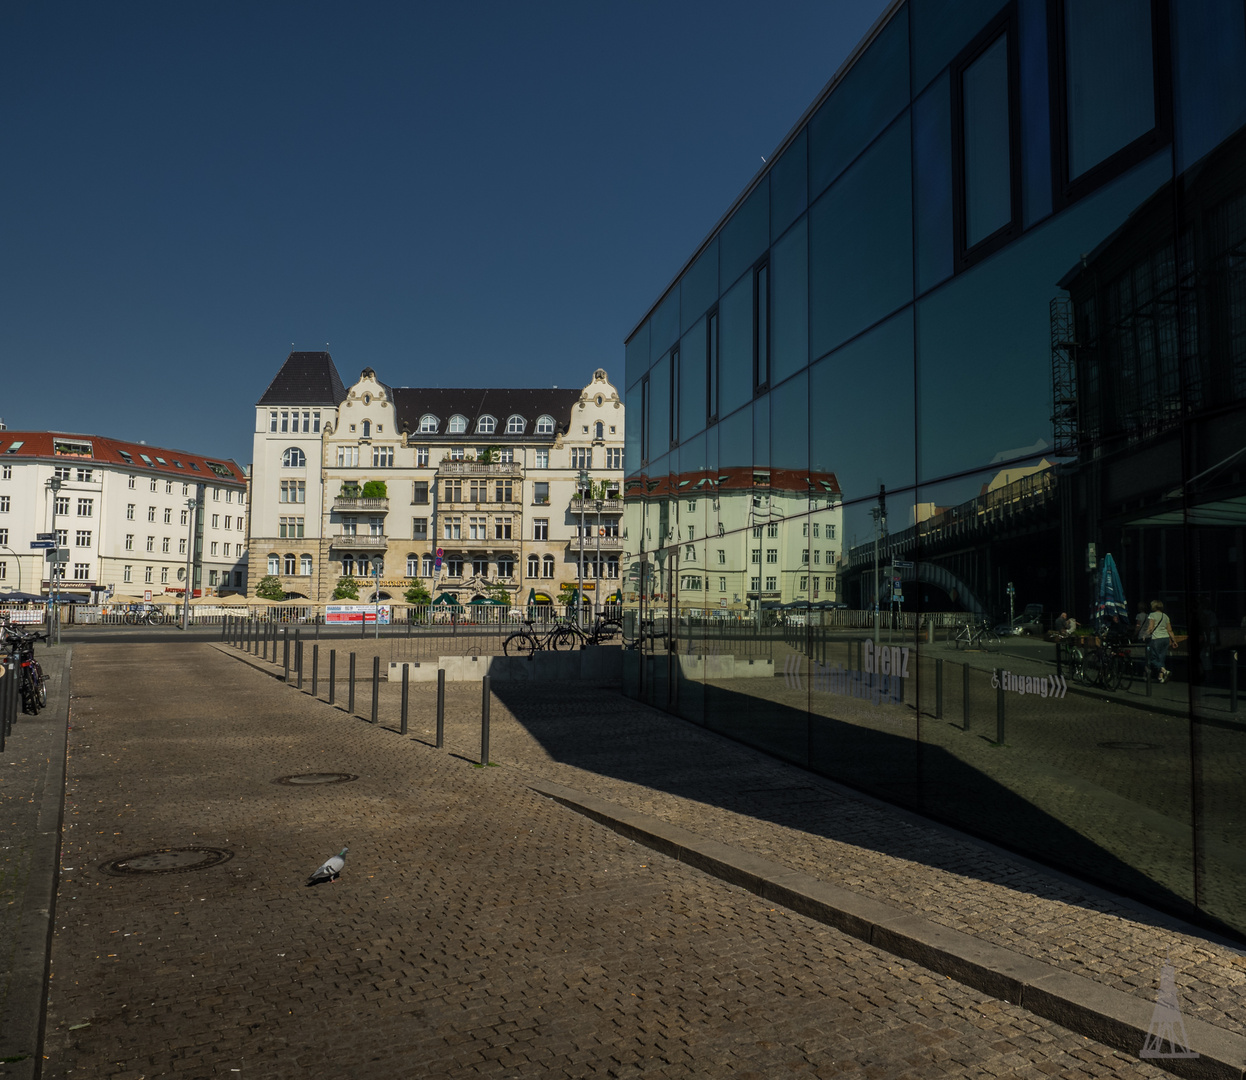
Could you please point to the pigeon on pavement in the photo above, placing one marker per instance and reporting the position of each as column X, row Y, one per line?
column 329, row 869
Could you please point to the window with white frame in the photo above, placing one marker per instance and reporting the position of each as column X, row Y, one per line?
column 413, row 564
column 151, row 543
column 347, row 457
column 545, row 425
column 290, row 528
column 127, row 573
column 292, row 491
column 382, row 457
column 540, row 528
column 129, row 541
column 168, row 515
column 486, row 425
column 129, row 511
column 426, row 565
column 541, row 459
column 421, row 456
column 506, row 566
column 428, row 424
column 213, row 549
column 147, row 574
column 458, row 425
column 151, row 513
column 515, row 425
column 534, row 565
column 452, row 528
column 164, row 544
column 581, row 457
column 419, row 528
column 291, row 565
column 82, row 538
column 547, row 566
column 86, row 507
column 293, row 458
column 274, row 564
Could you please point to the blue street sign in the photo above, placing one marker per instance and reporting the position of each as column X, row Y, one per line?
column 43, row 544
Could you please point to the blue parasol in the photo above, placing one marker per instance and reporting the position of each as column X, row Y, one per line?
column 1111, row 600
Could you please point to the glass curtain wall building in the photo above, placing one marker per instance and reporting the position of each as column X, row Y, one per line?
column 967, row 355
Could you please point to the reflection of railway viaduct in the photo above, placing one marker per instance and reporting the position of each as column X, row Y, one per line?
column 964, row 556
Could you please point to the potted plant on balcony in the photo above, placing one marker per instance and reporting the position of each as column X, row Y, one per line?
column 350, row 490
column 375, row 489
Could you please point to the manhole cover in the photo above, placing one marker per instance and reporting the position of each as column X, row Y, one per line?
column 316, row 778
column 1126, row 744
column 169, row 861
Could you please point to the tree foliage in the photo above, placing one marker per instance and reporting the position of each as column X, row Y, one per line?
column 270, row 588
column 347, row 589
column 418, row 594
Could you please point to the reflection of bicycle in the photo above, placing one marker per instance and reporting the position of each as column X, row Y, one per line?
column 1111, row 667
column 561, row 637
column 647, row 632
column 976, row 637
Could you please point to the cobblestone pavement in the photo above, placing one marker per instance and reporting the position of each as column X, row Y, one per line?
column 479, row 929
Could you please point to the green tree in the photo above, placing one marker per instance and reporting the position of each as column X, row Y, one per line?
column 375, row 489
column 418, row 594
column 347, row 589
column 270, row 588
column 499, row 594
column 567, row 596
column 490, row 454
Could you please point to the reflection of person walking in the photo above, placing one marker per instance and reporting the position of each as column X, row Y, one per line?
column 1158, row 638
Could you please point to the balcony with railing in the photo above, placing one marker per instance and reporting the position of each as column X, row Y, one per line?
column 359, row 504
column 358, row 542
column 589, row 506
column 605, row 544
column 478, row 543
column 480, row 468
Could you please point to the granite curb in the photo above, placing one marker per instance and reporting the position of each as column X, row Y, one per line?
column 1080, row 1004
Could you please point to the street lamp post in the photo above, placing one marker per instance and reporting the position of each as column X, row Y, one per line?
column 582, row 481
column 18, row 560
column 597, row 589
column 55, row 485
column 376, row 599
column 191, row 505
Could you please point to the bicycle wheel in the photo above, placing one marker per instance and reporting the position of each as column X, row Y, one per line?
column 131, row 618
column 41, row 685
column 1092, row 668
column 962, row 638
column 563, row 639
column 30, row 696
column 1125, row 672
column 1111, row 672
column 520, row 643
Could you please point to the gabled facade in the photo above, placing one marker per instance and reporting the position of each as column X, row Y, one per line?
column 468, row 491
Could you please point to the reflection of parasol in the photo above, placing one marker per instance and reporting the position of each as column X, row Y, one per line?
column 1111, row 599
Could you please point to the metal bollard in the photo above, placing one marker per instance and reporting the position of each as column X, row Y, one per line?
column 939, row 689
column 965, row 698
column 332, row 675
column 350, row 687
column 441, row 708
column 225, row 628
column 376, row 684
column 285, row 639
column 1233, row 681
column 315, row 671
column 484, row 721
column 402, row 727
column 999, row 707
column 264, row 641
column 298, row 659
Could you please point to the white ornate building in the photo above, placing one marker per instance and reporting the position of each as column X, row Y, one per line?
column 122, row 512
column 481, row 487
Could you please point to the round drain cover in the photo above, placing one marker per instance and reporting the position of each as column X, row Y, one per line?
column 316, row 778
column 1125, row 744
column 169, row 861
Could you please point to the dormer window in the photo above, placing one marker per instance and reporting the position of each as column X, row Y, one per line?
column 458, row 424
column 428, row 423
column 515, row 425
column 545, row 425
column 486, row 425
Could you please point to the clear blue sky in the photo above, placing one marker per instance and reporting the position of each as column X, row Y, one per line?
column 455, row 194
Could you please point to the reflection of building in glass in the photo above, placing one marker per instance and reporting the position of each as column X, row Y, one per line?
column 997, row 270
column 737, row 540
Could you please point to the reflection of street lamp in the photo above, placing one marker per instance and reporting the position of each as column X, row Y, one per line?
column 376, row 598
column 55, row 485
column 597, row 590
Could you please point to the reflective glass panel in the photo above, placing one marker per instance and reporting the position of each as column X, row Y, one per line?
column 789, row 185
column 699, row 285
column 664, row 325
column 735, row 347
column 637, row 354
column 789, row 302
column 862, row 243
column 987, row 164
column 932, row 193
column 692, row 387
column 746, row 236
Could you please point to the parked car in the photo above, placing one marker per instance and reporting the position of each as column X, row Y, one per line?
column 1030, row 621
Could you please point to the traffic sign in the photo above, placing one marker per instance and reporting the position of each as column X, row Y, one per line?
column 902, row 564
column 41, row 545
column 60, row 555
column 45, row 536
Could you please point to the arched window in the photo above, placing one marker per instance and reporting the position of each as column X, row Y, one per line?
column 362, row 569
column 547, row 566
column 515, row 425
column 458, row 425
column 293, row 458
column 601, row 430
column 367, row 429
column 486, row 425
column 413, row 564
column 274, row 564
column 348, row 566
column 305, row 565
column 426, row 565
column 534, row 566
column 545, row 425
column 428, row 423
column 292, row 565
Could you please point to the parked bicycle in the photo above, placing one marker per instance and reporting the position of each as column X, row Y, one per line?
column 33, row 685
column 563, row 636
column 140, row 617
column 976, row 637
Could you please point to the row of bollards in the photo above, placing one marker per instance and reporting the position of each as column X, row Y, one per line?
column 257, row 638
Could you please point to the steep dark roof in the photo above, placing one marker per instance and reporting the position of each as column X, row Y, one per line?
column 65, row 448
column 413, row 402
column 306, row 378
